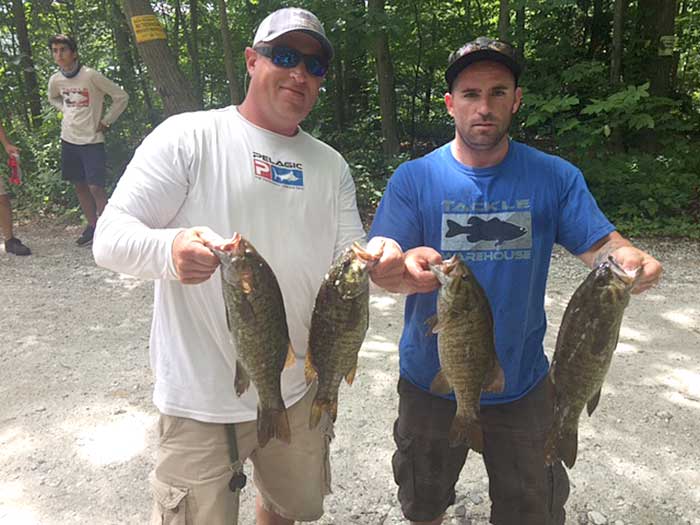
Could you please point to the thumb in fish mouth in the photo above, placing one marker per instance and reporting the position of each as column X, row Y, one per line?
column 371, row 254
column 218, row 244
column 443, row 270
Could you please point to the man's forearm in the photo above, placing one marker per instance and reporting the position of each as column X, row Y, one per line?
column 603, row 249
column 3, row 138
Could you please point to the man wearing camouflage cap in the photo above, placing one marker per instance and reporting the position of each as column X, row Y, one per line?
column 501, row 206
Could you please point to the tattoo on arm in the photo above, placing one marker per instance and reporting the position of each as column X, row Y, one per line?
column 606, row 249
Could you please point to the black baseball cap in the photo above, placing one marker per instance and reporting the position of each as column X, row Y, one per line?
column 482, row 48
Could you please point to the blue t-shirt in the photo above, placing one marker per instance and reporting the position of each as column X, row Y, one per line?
column 503, row 221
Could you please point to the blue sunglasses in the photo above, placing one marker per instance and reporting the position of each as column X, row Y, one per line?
column 288, row 58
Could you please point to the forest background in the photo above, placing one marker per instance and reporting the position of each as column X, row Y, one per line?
column 611, row 85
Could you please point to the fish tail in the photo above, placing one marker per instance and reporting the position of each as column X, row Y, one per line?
column 330, row 406
column 466, row 430
column 454, row 228
column 567, row 447
column 273, row 422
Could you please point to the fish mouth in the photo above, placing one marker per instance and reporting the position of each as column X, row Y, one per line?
column 628, row 277
column 449, row 265
column 228, row 249
column 445, row 269
column 368, row 259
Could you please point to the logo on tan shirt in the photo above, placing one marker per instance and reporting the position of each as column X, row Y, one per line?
column 75, row 97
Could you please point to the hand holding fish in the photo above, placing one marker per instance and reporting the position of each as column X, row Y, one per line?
column 629, row 258
column 194, row 262
column 388, row 271
column 401, row 272
column 418, row 277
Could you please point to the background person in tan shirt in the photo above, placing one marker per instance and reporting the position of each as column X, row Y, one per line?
column 78, row 92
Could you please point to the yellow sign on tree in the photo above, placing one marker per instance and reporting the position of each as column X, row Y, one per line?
column 147, row 28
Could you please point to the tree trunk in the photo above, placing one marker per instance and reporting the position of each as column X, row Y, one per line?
column 416, row 72
column 339, row 85
column 618, row 29
column 521, row 37
column 429, row 74
column 234, row 87
column 27, row 63
column 193, row 46
column 172, row 85
column 385, row 77
column 355, row 61
column 503, row 19
column 178, row 23
column 657, row 24
column 120, row 30
column 598, row 29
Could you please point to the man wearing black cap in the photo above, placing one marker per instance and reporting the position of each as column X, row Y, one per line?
column 252, row 170
column 500, row 205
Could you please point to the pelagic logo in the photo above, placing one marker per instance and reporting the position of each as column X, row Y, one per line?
column 288, row 174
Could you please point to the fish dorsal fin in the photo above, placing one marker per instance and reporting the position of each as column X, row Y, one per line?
column 242, row 380
column 495, row 380
column 440, row 384
column 228, row 319
column 593, row 402
column 433, row 325
column 350, row 377
column 310, row 373
column 291, row 357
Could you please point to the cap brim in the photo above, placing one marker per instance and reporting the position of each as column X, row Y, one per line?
column 458, row 65
column 325, row 43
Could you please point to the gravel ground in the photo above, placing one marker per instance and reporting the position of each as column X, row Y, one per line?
column 77, row 427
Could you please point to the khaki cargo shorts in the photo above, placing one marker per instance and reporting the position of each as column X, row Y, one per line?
column 190, row 482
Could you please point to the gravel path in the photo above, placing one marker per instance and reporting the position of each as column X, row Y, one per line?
column 77, row 426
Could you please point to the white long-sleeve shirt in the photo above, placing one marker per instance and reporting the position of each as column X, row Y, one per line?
column 292, row 197
column 81, row 99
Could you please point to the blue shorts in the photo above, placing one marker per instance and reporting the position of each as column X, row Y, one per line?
column 83, row 163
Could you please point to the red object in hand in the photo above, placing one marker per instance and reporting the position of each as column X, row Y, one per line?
column 15, row 170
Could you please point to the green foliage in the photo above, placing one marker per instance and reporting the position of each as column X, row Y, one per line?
column 648, row 194
column 634, row 147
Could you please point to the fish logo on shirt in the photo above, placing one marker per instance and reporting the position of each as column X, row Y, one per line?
column 288, row 174
column 478, row 229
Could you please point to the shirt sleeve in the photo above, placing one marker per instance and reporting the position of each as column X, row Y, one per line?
column 55, row 98
column 581, row 222
column 119, row 97
column 398, row 214
column 349, row 224
column 133, row 233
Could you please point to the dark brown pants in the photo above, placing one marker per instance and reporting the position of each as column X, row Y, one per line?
column 522, row 490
